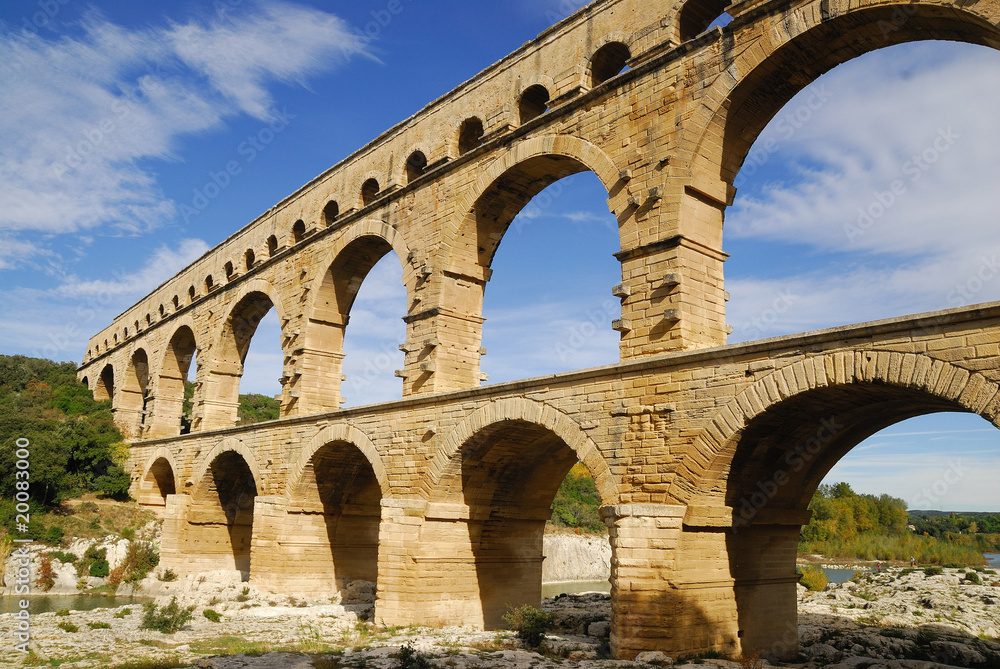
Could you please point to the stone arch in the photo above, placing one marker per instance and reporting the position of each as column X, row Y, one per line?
column 527, row 411
column 228, row 445
column 597, row 64
column 178, row 354
column 104, row 390
column 567, row 155
column 759, row 82
column 346, row 433
column 401, row 173
column 134, row 394
column 469, row 134
column 230, row 344
column 365, row 195
column 331, row 296
column 158, row 479
column 534, row 97
column 335, row 491
column 945, row 386
column 695, row 16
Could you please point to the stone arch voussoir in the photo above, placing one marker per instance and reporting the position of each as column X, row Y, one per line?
column 520, row 409
column 164, row 453
column 971, row 392
column 339, row 433
column 254, row 286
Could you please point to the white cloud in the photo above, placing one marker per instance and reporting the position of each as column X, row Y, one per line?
column 164, row 263
column 79, row 112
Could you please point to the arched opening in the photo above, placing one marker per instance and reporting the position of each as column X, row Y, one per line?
column 272, row 246
column 176, row 302
column 533, row 103
column 174, row 390
column 209, row 284
column 230, row 270
column 85, row 380
column 223, row 505
column 158, row 483
column 363, row 287
column 555, row 312
column 369, row 192
column 769, row 471
column 105, row 390
column 298, row 231
column 235, row 370
column 134, row 403
column 336, row 504
column 163, row 310
column 192, row 294
column 697, row 16
column 249, row 259
column 330, row 212
column 415, row 166
column 507, row 475
column 470, row 135
column 609, row 61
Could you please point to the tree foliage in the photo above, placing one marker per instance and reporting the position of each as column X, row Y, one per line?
column 577, row 502
column 257, row 409
column 74, row 444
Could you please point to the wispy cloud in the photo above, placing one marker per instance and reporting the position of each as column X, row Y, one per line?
column 79, row 112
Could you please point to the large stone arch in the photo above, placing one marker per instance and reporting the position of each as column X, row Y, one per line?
column 945, row 385
column 815, row 38
column 170, row 373
column 228, row 445
column 528, row 411
column 579, row 155
column 332, row 292
column 152, row 486
column 230, row 342
column 345, row 433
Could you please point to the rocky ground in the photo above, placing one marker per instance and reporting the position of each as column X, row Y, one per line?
column 896, row 620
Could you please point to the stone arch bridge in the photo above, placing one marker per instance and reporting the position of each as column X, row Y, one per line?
column 705, row 455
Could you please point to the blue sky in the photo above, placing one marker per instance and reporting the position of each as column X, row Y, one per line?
column 166, row 93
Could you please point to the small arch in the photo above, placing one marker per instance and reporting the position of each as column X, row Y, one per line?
column 86, row 381
column 609, row 61
column 149, row 320
column 125, row 333
column 298, row 231
column 369, row 191
column 176, row 302
column 230, row 270
column 330, row 212
column 249, row 258
column 697, row 15
column 416, row 164
column 534, row 102
column 158, row 479
column 192, row 293
column 136, row 326
column 163, row 310
column 272, row 246
column 470, row 135
column 209, row 284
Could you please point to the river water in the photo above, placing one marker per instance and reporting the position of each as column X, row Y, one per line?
column 993, row 560
column 48, row 603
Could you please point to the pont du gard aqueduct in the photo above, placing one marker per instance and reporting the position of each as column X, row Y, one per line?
column 705, row 454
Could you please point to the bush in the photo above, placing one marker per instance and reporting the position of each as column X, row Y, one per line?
column 65, row 558
column 167, row 619
column 46, row 575
column 99, row 626
column 62, row 612
column 529, row 623
column 168, row 575
column 93, row 555
column 123, row 613
column 408, row 658
column 814, row 579
column 100, row 568
column 68, row 627
column 140, row 559
column 211, row 615
column 972, row 577
column 933, row 571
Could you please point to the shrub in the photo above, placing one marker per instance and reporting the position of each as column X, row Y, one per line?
column 814, row 579
column 100, row 568
column 46, row 575
column 123, row 613
column 529, row 623
column 68, row 627
column 128, row 533
column 167, row 619
column 408, row 658
column 972, row 577
column 140, row 559
column 65, row 558
column 53, row 535
column 62, row 612
column 933, row 571
column 99, row 626
column 751, row 660
column 211, row 615
column 168, row 575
